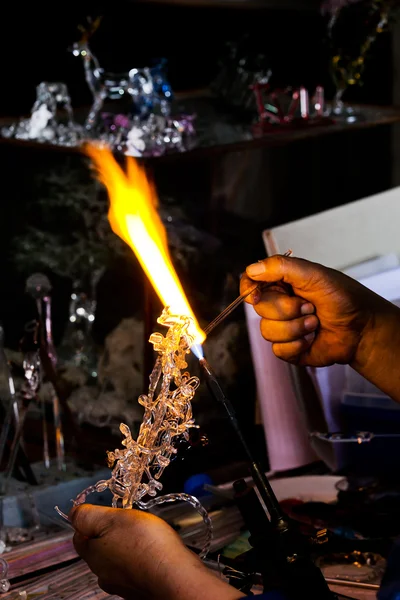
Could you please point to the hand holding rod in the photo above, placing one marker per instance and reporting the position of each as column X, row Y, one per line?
column 240, row 299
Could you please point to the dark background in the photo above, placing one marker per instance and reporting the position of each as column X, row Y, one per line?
column 35, row 39
column 287, row 182
column 324, row 172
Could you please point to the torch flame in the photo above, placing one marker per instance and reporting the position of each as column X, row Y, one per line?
column 134, row 218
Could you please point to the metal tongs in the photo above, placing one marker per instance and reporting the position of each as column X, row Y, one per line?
column 227, row 311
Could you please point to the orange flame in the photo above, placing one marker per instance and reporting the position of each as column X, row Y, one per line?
column 134, row 218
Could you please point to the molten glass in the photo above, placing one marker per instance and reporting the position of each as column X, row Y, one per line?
column 167, row 417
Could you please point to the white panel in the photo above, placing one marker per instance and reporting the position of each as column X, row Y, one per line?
column 343, row 236
column 286, row 435
column 362, row 238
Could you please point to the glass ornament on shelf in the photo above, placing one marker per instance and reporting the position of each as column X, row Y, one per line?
column 4, row 581
column 158, row 135
column 138, row 121
column 77, row 347
column 353, row 28
column 8, row 397
column 143, row 91
column 16, row 401
column 163, row 94
column 51, row 120
column 240, row 66
column 38, row 286
column 138, row 467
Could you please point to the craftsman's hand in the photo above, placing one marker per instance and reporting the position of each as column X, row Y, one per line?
column 326, row 319
column 138, row 556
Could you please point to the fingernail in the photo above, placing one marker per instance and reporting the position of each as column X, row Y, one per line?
column 307, row 308
column 310, row 323
column 309, row 337
column 256, row 269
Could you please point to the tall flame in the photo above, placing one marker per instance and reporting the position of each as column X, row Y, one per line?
column 134, row 218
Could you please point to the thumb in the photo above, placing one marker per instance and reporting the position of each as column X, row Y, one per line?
column 293, row 271
column 91, row 521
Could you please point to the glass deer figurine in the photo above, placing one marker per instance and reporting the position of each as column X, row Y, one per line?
column 147, row 87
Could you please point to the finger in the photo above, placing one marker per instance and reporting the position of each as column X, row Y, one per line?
column 288, row 331
column 252, row 292
column 81, row 544
column 293, row 351
column 246, row 285
column 282, row 307
column 91, row 521
column 293, row 271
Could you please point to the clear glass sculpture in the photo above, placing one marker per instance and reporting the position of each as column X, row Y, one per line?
column 39, row 287
column 77, row 347
column 353, row 28
column 9, row 398
column 26, row 394
column 143, row 91
column 51, row 119
column 139, row 104
column 138, row 467
column 157, row 135
column 4, row 582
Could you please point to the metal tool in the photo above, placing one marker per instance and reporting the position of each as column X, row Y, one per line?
column 349, row 583
column 227, row 311
column 279, row 551
column 358, row 437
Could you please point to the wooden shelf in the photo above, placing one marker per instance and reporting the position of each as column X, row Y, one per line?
column 220, row 133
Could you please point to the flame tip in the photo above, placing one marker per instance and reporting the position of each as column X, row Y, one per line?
column 133, row 216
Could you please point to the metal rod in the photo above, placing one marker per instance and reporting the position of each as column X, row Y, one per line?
column 356, row 584
column 227, row 311
column 50, row 348
column 46, row 453
column 148, row 352
column 60, row 451
column 237, row 302
column 13, row 453
column 262, row 484
column 5, row 431
column 358, row 437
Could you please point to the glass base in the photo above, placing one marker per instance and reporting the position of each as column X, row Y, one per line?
column 344, row 113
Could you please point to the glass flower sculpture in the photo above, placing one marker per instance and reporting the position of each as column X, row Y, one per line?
column 138, row 467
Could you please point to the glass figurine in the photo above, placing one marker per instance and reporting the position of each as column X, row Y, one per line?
column 138, row 467
column 51, row 119
column 4, row 582
column 77, row 347
column 147, row 89
column 39, row 287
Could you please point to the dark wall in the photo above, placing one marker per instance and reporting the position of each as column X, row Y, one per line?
column 278, row 184
column 329, row 171
column 35, row 40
